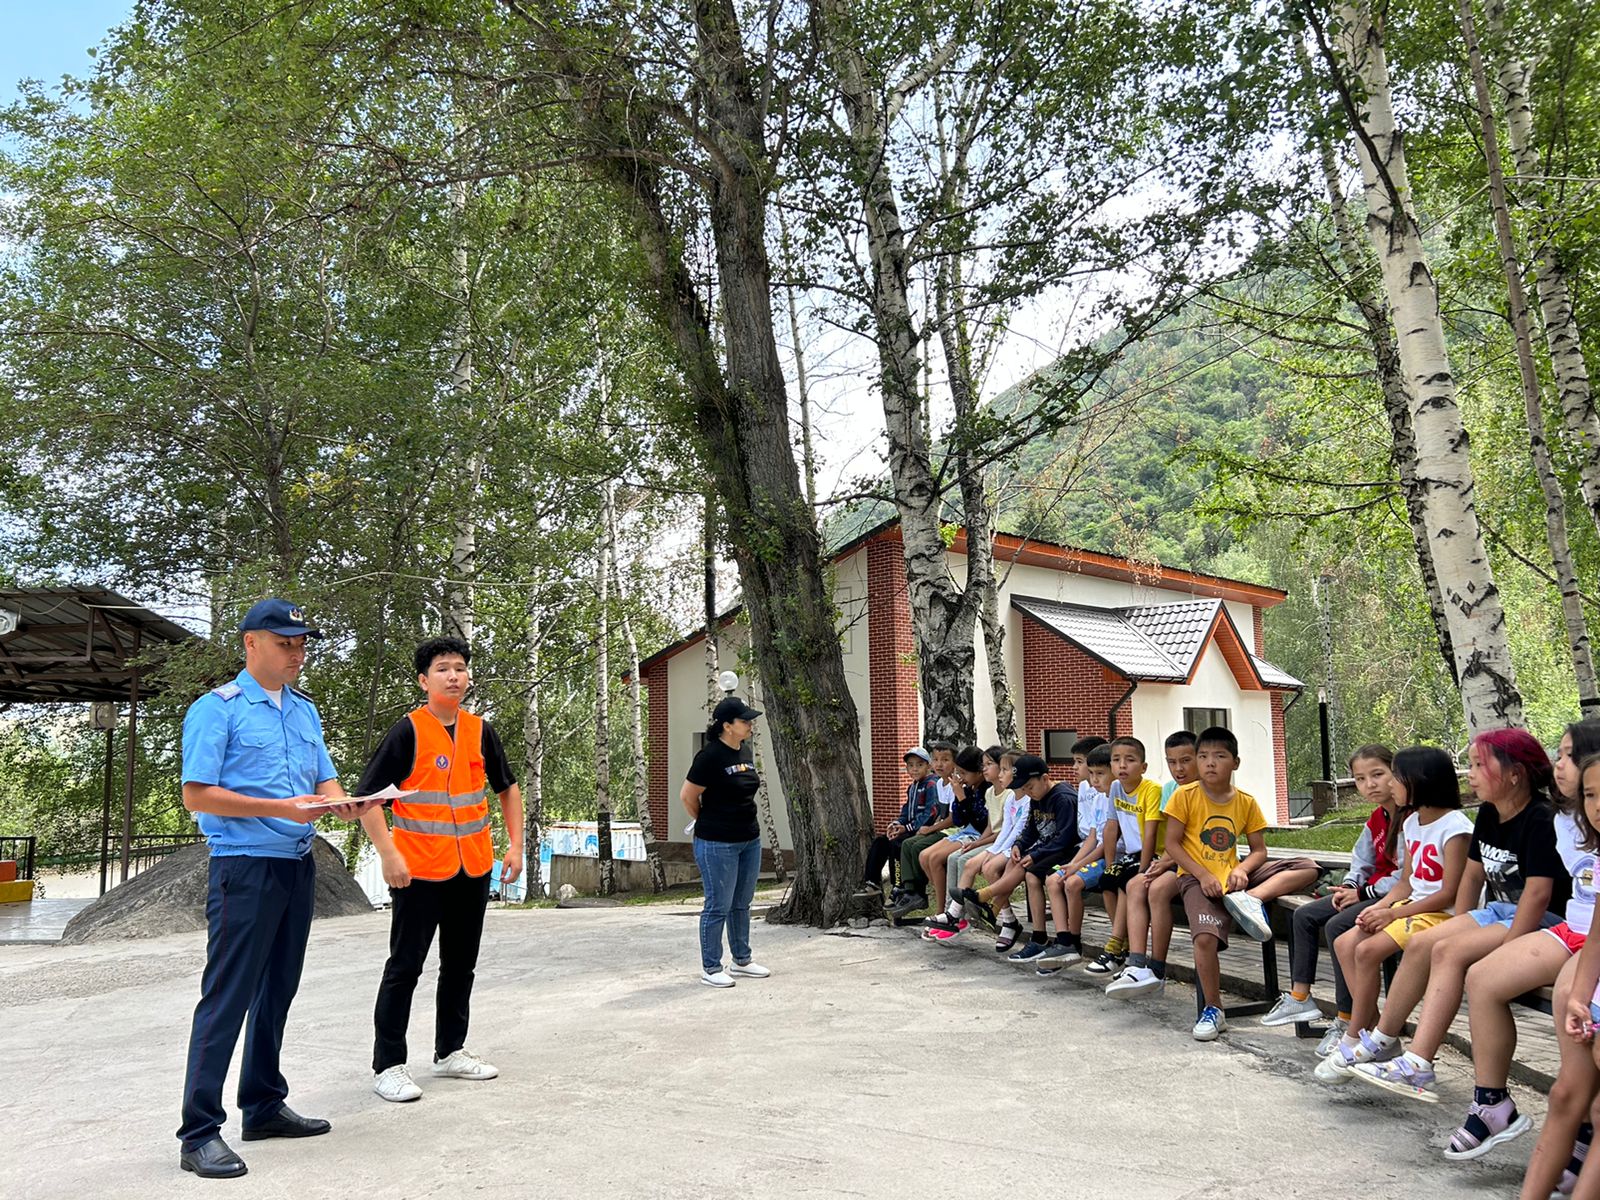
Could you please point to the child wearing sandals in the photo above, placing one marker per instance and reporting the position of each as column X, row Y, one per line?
column 1373, row 872
column 1436, row 834
column 1564, row 1141
column 969, row 820
column 991, row 861
column 1513, row 853
column 1046, row 841
column 996, row 775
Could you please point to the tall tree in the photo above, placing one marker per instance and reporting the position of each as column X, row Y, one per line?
column 1354, row 56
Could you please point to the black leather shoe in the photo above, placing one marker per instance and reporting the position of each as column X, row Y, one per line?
column 287, row 1123
column 214, row 1160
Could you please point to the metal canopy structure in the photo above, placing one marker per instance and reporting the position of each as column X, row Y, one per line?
column 85, row 645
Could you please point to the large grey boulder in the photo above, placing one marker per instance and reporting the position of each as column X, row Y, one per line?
column 170, row 897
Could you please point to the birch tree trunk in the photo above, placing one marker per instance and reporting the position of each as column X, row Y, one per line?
column 769, row 823
column 808, row 457
column 533, row 751
column 1489, row 692
column 740, row 410
column 459, row 617
column 1555, row 501
column 943, row 616
column 641, row 777
column 1391, row 378
column 602, row 676
column 708, row 564
column 1563, row 337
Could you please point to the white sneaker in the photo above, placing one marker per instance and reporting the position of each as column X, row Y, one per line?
column 1212, row 1022
column 749, row 970
column 1134, row 981
column 464, row 1064
column 395, row 1083
column 1249, row 914
column 716, row 978
column 1331, row 1039
column 1288, row 1011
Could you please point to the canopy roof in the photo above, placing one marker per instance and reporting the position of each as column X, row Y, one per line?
column 76, row 644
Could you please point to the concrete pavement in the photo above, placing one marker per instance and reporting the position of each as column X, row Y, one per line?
column 870, row 1064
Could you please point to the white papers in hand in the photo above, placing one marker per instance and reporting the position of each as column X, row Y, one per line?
column 389, row 793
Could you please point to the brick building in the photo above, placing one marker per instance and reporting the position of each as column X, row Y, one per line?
column 1094, row 644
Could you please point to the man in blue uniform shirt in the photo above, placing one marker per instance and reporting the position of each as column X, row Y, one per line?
column 252, row 753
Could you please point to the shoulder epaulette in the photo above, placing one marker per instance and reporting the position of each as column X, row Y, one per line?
column 298, row 692
column 228, row 691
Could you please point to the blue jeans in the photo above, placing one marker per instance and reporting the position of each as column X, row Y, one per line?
column 728, row 870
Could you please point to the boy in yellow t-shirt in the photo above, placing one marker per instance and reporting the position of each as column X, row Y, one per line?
column 1206, row 820
column 1130, row 837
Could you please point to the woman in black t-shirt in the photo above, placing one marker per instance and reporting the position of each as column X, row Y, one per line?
column 720, row 798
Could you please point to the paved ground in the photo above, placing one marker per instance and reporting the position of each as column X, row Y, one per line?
column 871, row 1064
column 38, row 921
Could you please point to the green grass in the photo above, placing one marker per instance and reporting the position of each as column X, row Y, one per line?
column 1337, row 832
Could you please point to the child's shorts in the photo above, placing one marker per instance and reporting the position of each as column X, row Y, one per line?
column 1406, row 928
column 1042, row 869
column 1207, row 915
column 1501, row 912
column 1119, row 873
column 1090, row 874
column 1564, row 934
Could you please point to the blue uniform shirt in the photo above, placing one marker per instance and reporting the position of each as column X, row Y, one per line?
column 236, row 737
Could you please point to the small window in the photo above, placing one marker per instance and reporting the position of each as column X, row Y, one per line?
column 1198, row 720
column 1058, row 744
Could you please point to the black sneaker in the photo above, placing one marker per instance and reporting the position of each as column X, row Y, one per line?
column 908, row 904
column 1028, row 953
column 1107, row 964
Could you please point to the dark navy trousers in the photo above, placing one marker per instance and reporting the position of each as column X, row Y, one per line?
column 258, row 911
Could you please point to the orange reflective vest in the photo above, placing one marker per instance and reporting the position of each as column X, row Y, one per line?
column 444, row 827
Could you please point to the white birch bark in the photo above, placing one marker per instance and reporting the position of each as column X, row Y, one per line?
column 459, row 615
column 943, row 616
column 1562, row 334
column 1358, row 287
column 602, row 672
column 769, row 823
column 533, row 751
column 1555, row 501
column 808, row 456
column 708, row 551
column 1489, row 692
column 641, row 775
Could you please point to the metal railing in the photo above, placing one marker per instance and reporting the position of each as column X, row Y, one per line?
column 21, row 849
column 147, row 849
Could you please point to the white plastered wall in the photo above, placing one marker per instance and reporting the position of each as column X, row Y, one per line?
column 1158, row 711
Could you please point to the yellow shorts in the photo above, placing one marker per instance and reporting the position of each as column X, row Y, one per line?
column 1403, row 930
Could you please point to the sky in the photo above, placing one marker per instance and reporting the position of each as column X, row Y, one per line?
column 47, row 41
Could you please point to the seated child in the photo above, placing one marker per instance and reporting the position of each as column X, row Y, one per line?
column 1513, row 853
column 1204, row 823
column 1179, row 750
column 1045, row 842
column 999, row 803
column 922, row 800
column 1065, row 886
column 1564, row 1140
column 1372, row 873
column 969, row 822
column 913, row 883
column 1428, row 800
column 1130, row 843
column 992, row 861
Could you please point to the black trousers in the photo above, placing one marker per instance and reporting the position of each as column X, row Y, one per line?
column 1313, row 924
column 884, row 851
column 258, row 913
column 454, row 907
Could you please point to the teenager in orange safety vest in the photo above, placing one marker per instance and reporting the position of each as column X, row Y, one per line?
column 437, row 860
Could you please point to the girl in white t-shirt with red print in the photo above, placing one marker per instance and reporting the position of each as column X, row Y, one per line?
column 1564, row 1141
column 1436, row 833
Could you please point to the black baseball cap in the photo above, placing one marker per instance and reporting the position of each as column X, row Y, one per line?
column 277, row 616
column 733, row 709
column 1026, row 767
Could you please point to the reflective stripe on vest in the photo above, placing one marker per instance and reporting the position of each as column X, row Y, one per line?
column 443, row 828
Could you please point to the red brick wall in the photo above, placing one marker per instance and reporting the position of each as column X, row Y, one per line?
column 892, row 675
column 655, row 679
column 1063, row 688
